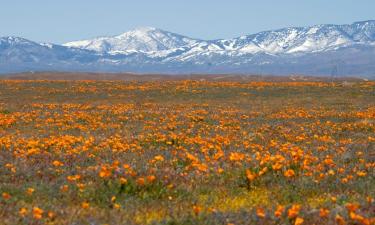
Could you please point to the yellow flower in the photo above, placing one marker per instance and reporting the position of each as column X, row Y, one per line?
column 235, row 156
column 277, row 166
column 73, row 177
column 331, row 172
column 105, row 172
column 85, row 205
column 159, row 158
column 361, row 173
column 250, row 175
column 30, row 191
column 123, row 180
column 289, row 173
column 22, row 212
column 293, row 211
column 57, row 163
column 37, row 213
column 298, row 221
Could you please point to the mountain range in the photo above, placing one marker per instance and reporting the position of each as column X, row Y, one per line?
column 331, row 50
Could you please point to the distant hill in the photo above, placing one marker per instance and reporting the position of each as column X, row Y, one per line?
column 329, row 50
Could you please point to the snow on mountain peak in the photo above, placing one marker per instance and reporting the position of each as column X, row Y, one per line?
column 157, row 42
column 13, row 40
column 147, row 49
column 140, row 32
column 145, row 29
column 307, row 39
column 143, row 39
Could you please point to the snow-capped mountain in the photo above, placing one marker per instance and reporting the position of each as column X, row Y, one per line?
column 144, row 39
column 314, row 50
column 305, row 39
column 288, row 40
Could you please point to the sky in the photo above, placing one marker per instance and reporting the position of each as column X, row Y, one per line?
column 59, row 21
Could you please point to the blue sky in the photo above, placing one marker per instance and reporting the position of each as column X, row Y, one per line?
column 61, row 21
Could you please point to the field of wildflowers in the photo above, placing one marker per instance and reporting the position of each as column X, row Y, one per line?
column 187, row 152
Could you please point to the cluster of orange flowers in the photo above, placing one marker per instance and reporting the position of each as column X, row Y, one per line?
column 134, row 137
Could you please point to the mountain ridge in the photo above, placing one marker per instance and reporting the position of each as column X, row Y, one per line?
column 314, row 50
column 253, row 37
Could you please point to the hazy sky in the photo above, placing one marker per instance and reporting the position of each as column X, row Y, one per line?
column 60, row 21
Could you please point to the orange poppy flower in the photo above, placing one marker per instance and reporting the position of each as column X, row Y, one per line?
column 289, row 173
